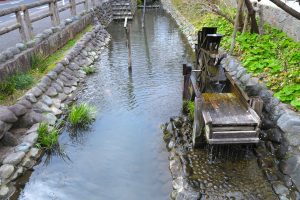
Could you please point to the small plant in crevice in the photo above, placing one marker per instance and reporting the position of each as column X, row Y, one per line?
column 189, row 107
column 89, row 69
column 47, row 137
column 81, row 115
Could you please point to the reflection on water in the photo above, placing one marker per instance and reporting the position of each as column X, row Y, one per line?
column 122, row 156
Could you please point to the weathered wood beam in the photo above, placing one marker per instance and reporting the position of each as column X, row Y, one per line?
column 54, row 13
column 9, row 28
column 28, row 24
column 21, row 26
column 73, row 7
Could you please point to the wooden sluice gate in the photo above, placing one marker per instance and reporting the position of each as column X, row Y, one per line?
column 222, row 114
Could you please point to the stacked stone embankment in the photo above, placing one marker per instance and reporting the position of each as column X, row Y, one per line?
column 278, row 153
column 44, row 103
column 18, row 58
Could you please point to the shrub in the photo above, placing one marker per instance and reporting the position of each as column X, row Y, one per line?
column 47, row 139
column 89, row 69
column 81, row 115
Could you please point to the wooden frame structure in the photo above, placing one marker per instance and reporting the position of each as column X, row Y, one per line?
column 222, row 113
column 24, row 21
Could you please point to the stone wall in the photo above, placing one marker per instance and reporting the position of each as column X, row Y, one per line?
column 44, row 103
column 279, row 150
column 16, row 59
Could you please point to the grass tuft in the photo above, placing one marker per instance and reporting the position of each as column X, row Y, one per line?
column 89, row 69
column 189, row 107
column 47, row 138
column 37, row 62
column 82, row 115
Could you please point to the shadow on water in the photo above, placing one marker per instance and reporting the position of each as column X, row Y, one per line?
column 122, row 156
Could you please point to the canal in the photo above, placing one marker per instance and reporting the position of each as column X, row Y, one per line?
column 122, row 155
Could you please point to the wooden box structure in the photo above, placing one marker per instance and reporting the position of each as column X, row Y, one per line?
column 222, row 113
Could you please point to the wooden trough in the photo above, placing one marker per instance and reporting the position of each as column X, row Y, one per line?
column 223, row 114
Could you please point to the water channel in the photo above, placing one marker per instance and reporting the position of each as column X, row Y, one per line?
column 123, row 156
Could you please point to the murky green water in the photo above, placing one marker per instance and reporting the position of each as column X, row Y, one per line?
column 123, row 155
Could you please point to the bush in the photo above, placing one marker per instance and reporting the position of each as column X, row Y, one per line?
column 81, row 115
column 47, row 139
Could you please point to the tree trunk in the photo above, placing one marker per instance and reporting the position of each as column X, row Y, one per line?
column 261, row 19
column 247, row 19
column 286, row 8
column 236, row 25
column 241, row 19
column 254, row 27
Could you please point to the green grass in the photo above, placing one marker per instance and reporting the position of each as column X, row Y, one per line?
column 16, row 86
column 273, row 57
column 81, row 115
column 189, row 106
column 89, row 69
column 47, row 139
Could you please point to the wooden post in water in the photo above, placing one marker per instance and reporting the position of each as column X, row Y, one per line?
column 186, row 71
column 127, row 30
column 144, row 10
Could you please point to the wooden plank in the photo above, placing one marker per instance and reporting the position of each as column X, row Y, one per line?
column 227, row 110
column 237, row 90
column 233, row 128
column 234, row 141
column 257, row 104
column 208, row 123
column 234, row 134
column 194, row 83
column 198, row 124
